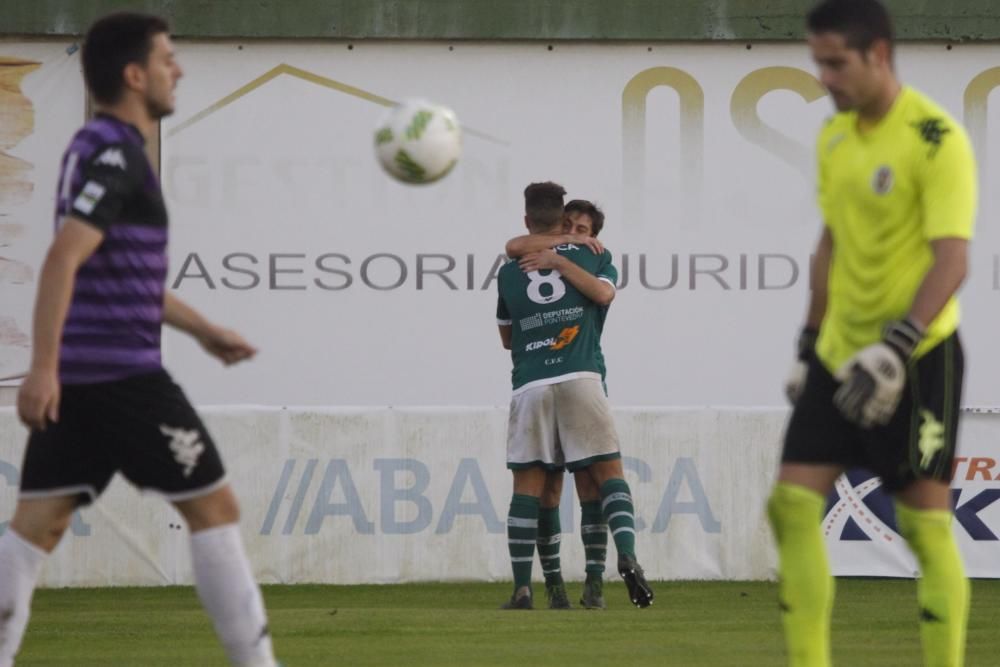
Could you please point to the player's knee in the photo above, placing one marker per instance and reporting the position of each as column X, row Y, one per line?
column 550, row 498
column 216, row 509
column 586, row 490
column 227, row 509
column 45, row 536
column 603, row 471
column 791, row 506
column 43, row 523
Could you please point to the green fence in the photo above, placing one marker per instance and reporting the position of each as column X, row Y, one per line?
column 637, row 20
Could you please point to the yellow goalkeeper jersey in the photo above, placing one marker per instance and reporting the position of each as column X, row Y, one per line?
column 885, row 194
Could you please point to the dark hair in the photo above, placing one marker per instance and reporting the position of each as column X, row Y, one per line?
column 543, row 204
column 113, row 42
column 584, row 207
column 861, row 22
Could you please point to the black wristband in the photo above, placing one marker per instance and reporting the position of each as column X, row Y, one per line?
column 903, row 337
column 807, row 342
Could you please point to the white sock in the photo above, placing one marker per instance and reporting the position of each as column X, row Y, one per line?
column 231, row 596
column 20, row 563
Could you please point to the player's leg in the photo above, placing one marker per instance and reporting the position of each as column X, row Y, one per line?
column 923, row 435
column 522, row 532
column 160, row 444
column 33, row 533
column 531, row 451
column 549, row 539
column 617, row 506
column 819, row 444
column 805, row 585
column 594, row 534
column 589, row 439
column 618, row 510
column 224, row 579
column 63, row 468
column 923, row 513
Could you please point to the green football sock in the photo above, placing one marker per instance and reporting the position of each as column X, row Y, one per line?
column 522, row 531
column 548, row 540
column 805, row 587
column 594, row 533
column 943, row 589
column 616, row 504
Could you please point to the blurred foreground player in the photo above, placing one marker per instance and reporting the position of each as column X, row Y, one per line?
column 96, row 398
column 878, row 383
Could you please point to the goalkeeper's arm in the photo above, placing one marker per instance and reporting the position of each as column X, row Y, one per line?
column 874, row 378
column 818, row 277
column 946, row 275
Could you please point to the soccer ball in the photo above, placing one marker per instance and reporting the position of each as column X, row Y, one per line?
column 418, row 142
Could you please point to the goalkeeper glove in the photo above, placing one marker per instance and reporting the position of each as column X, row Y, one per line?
column 873, row 379
column 796, row 380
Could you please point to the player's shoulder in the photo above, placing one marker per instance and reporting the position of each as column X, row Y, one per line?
column 105, row 141
column 577, row 250
column 579, row 254
column 927, row 123
column 508, row 268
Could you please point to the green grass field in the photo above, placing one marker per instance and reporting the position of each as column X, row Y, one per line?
column 692, row 623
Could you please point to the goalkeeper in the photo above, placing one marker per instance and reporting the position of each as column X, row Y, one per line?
column 879, row 377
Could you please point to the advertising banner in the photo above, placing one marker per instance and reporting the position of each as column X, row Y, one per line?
column 382, row 495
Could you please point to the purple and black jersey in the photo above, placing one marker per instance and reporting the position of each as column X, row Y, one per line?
column 112, row 330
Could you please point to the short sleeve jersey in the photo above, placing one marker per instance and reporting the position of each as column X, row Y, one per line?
column 112, row 329
column 555, row 329
column 885, row 194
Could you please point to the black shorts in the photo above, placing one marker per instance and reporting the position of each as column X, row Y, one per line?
column 917, row 443
column 143, row 426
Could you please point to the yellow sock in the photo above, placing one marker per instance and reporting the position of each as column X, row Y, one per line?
column 943, row 589
column 805, row 587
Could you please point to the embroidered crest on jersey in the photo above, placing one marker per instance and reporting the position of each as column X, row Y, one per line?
column 932, row 131
column 882, row 180
column 186, row 445
column 112, row 157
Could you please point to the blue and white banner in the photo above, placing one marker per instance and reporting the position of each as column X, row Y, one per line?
column 860, row 523
column 378, row 495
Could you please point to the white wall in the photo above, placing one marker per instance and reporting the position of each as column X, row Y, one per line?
column 268, row 168
column 285, row 228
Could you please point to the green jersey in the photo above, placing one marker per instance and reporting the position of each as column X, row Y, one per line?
column 555, row 329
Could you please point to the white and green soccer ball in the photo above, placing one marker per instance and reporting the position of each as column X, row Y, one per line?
column 418, row 142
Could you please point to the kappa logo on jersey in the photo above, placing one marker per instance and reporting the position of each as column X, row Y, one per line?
column 565, row 337
column 882, row 180
column 932, row 131
column 186, row 445
column 112, row 157
column 931, row 438
column 89, row 197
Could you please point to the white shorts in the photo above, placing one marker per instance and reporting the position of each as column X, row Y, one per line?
column 567, row 424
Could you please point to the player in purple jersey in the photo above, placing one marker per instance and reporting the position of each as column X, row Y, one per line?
column 97, row 399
